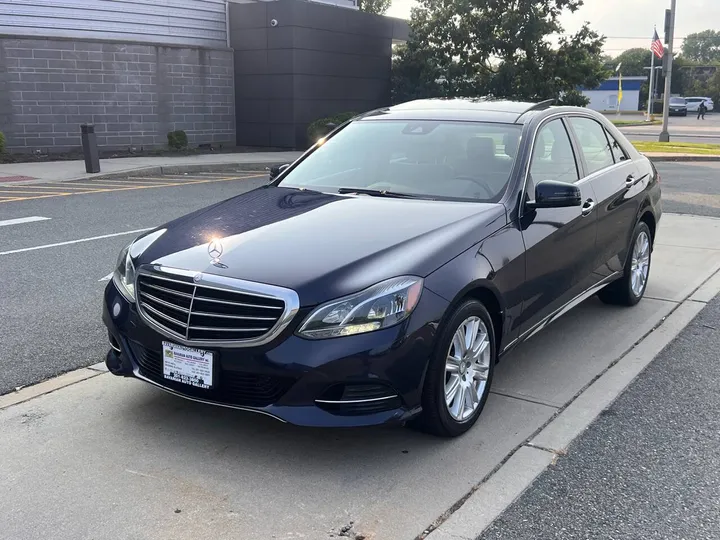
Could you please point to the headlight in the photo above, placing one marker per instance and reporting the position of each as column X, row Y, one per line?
column 380, row 306
column 124, row 276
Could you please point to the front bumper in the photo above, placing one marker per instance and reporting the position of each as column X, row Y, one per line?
column 368, row 379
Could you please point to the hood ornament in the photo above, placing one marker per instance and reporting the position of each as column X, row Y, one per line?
column 215, row 250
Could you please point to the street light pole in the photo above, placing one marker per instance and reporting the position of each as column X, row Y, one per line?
column 664, row 134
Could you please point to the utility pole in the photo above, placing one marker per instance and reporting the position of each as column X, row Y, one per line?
column 667, row 65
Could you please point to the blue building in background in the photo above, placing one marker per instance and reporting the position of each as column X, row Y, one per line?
column 605, row 96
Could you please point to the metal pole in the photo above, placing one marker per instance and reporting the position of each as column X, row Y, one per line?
column 651, row 89
column 90, row 149
column 664, row 134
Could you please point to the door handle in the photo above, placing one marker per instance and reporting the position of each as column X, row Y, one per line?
column 587, row 207
column 630, row 181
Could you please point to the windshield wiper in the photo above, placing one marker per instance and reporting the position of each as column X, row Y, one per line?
column 379, row 193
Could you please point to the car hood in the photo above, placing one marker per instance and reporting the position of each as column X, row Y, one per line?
column 321, row 245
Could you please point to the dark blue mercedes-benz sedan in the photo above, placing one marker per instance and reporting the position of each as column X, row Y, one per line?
column 380, row 277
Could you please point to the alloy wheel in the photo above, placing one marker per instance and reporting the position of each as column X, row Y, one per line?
column 640, row 265
column 466, row 368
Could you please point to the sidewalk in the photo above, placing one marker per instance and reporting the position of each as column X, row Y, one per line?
column 649, row 466
column 58, row 171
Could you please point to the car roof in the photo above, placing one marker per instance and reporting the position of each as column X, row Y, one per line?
column 460, row 109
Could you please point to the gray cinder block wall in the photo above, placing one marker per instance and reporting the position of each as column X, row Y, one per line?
column 315, row 60
column 134, row 94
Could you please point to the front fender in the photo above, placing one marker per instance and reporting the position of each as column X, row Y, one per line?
column 497, row 265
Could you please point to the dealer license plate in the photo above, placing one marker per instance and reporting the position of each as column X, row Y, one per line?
column 187, row 365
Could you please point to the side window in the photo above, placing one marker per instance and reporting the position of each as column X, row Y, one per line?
column 553, row 157
column 593, row 143
column 617, row 150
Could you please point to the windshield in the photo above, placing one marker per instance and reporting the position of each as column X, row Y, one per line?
column 429, row 159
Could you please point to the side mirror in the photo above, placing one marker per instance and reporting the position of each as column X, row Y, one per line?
column 277, row 170
column 553, row 194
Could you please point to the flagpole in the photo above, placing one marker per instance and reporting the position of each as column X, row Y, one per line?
column 651, row 88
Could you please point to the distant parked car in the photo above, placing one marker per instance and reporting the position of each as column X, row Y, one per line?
column 693, row 103
column 678, row 106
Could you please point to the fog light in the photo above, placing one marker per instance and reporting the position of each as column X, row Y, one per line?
column 117, row 308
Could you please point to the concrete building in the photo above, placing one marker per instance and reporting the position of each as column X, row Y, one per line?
column 140, row 68
column 605, row 96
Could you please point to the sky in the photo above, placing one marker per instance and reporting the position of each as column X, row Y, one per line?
column 622, row 19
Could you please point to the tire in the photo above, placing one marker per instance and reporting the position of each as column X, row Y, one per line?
column 437, row 417
column 628, row 290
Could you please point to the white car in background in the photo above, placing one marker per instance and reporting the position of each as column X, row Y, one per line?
column 693, row 103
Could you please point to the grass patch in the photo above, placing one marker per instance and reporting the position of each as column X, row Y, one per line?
column 678, row 148
column 636, row 122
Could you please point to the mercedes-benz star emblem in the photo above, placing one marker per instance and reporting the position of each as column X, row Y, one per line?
column 215, row 249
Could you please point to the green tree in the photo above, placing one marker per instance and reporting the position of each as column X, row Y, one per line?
column 379, row 7
column 480, row 47
column 415, row 73
column 702, row 46
column 634, row 60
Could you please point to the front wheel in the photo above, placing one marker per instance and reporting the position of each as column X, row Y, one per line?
column 630, row 288
column 460, row 372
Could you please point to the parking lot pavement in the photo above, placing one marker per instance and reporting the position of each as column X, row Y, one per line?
column 115, row 458
column 690, row 187
column 50, row 298
column 648, row 467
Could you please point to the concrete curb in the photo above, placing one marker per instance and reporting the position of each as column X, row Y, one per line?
column 495, row 493
column 51, row 385
column 158, row 170
column 169, row 170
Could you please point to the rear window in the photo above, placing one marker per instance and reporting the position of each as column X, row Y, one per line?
column 677, row 101
column 433, row 159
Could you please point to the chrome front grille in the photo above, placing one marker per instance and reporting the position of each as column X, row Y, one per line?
column 198, row 308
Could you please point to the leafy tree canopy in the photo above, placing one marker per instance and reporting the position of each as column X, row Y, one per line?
column 633, row 62
column 378, row 7
column 702, row 46
column 497, row 47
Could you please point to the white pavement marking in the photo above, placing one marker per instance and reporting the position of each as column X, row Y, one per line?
column 74, row 241
column 106, row 278
column 18, row 221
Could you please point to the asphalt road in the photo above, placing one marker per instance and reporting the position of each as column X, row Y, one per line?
column 50, row 298
column 691, row 187
column 686, row 129
column 648, row 466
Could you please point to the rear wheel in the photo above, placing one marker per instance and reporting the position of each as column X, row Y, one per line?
column 458, row 380
column 629, row 289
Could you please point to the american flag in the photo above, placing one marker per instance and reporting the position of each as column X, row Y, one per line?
column 657, row 46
